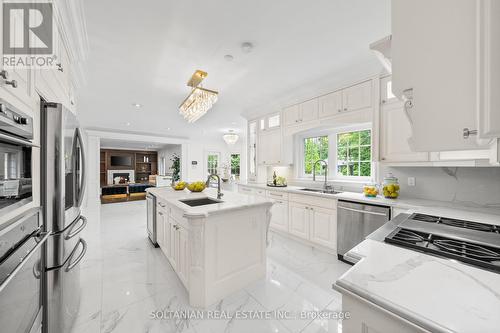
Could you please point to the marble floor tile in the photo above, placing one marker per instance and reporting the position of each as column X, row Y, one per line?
column 127, row 284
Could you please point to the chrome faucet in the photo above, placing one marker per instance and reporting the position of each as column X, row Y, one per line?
column 219, row 193
column 326, row 187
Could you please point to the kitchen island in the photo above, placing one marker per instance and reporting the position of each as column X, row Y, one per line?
column 216, row 246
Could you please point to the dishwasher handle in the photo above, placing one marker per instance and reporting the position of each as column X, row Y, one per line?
column 361, row 211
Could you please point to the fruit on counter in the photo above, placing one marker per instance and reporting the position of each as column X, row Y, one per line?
column 280, row 180
column 391, row 191
column 197, row 186
column 179, row 186
column 370, row 190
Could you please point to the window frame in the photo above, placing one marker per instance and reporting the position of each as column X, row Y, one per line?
column 332, row 154
column 210, row 153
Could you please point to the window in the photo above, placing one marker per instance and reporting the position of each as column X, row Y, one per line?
column 273, row 121
column 212, row 163
column 235, row 165
column 354, row 154
column 315, row 148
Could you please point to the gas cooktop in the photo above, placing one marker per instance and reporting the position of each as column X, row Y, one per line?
column 474, row 243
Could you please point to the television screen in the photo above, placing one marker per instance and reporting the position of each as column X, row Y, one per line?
column 121, row 160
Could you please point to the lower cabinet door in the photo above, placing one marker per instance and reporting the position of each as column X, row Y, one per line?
column 299, row 220
column 174, row 241
column 279, row 215
column 183, row 255
column 167, row 238
column 159, row 228
column 324, row 227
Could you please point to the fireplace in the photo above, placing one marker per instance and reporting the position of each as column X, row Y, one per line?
column 126, row 176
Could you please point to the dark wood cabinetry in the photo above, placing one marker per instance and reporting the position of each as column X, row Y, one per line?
column 144, row 164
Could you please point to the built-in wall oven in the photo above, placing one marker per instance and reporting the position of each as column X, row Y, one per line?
column 21, row 273
column 16, row 135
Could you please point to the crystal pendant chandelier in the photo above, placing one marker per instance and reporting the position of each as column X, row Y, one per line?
column 199, row 101
column 230, row 137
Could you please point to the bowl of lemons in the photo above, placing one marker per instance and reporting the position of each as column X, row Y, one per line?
column 179, row 186
column 197, row 186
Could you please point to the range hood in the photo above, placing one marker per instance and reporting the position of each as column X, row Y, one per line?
column 382, row 49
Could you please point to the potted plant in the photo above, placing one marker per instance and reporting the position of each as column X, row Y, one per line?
column 176, row 168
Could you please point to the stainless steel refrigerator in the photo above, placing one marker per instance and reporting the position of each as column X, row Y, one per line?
column 63, row 187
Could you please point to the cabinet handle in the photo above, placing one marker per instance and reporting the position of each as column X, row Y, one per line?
column 160, row 213
column 345, row 109
column 12, row 83
column 468, row 132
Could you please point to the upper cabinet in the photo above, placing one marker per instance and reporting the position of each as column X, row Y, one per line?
column 357, row 97
column 443, row 64
column 299, row 113
column 330, row 105
column 269, row 148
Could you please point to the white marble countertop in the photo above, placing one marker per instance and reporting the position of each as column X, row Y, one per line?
column 230, row 201
column 440, row 295
column 433, row 207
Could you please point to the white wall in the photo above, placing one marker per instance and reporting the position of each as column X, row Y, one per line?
column 198, row 151
column 167, row 153
column 467, row 186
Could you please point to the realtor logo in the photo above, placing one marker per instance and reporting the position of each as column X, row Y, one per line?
column 28, row 34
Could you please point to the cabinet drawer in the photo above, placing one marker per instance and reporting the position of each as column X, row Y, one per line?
column 260, row 191
column 178, row 215
column 246, row 190
column 310, row 200
column 277, row 195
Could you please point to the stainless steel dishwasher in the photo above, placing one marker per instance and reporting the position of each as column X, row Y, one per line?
column 151, row 225
column 355, row 221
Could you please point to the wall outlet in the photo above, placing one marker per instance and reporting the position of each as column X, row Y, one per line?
column 411, row 181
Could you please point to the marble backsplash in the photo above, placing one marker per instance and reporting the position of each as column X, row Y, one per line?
column 467, row 186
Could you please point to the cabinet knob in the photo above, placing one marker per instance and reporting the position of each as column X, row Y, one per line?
column 12, row 83
column 384, row 101
column 468, row 132
column 345, row 109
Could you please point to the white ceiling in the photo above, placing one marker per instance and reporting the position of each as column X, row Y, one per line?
column 145, row 51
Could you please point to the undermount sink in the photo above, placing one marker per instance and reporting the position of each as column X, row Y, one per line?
column 317, row 190
column 200, row 202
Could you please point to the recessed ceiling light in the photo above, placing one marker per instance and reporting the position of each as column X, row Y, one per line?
column 137, row 105
column 168, row 128
column 228, row 57
column 247, row 47
column 127, row 124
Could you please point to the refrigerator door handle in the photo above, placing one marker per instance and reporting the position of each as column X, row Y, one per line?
column 72, row 264
column 81, row 226
column 83, row 185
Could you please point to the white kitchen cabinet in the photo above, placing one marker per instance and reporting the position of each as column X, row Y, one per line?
column 299, row 220
column 279, row 215
column 330, row 105
column 14, row 76
column 489, row 110
column 160, row 225
column 301, row 113
column 291, row 115
column 269, row 148
column 357, row 97
column 174, row 243
column 323, row 226
column 252, row 150
column 182, row 247
column 439, row 59
column 309, row 110
column 395, row 130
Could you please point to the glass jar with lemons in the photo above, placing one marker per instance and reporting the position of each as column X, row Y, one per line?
column 390, row 186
